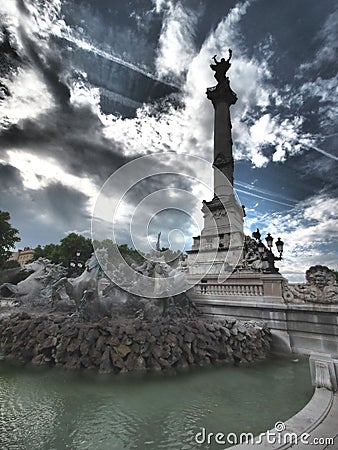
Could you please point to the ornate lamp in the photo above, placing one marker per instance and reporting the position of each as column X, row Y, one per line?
column 269, row 241
column 76, row 265
column 261, row 247
column 280, row 246
column 265, row 253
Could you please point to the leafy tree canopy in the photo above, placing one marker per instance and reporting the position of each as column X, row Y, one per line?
column 11, row 264
column 8, row 237
column 66, row 251
column 75, row 243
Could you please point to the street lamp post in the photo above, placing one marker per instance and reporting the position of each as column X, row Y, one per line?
column 266, row 253
column 75, row 265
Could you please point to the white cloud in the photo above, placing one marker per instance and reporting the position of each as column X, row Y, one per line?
column 308, row 230
column 82, row 94
column 189, row 129
column 160, row 5
column 29, row 98
column 176, row 42
column 67, row 33
column 258, row 136
column 42, row 19
column 326, row 92
column 29, row 95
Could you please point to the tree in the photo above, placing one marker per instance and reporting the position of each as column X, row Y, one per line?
column 38, row 253
column 75, row 243
column 11, row 264
column 66, row 251
column 8, row 237
column 131, row 255
column 50, row 251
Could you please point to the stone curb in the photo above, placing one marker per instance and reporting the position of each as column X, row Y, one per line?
column 305, row 421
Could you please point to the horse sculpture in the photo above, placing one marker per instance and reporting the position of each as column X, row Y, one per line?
column 36, row 287
column 82, row 288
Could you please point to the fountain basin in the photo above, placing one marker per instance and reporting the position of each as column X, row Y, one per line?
column 44, row 409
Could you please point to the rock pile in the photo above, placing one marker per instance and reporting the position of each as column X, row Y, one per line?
column 132, row 345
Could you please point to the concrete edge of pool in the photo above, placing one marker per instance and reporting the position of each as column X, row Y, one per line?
column 318, row 420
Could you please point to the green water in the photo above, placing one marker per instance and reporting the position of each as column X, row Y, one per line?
column 48, row 409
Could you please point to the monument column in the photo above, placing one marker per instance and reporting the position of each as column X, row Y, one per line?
column 219, row 247
column 222, row 98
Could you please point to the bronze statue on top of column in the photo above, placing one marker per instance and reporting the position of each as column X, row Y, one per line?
column 221, row 67
column 222, row 91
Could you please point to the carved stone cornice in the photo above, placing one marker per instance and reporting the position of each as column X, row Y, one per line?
column 218, row 204
column 222, row 93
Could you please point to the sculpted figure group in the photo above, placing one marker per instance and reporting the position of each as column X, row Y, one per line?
column 320, row 287
column 92, row 294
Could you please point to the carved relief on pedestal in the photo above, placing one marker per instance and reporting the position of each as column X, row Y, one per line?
column 320, row 287
column 220, row 213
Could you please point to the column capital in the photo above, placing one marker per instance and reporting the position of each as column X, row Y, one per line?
column 222, row 93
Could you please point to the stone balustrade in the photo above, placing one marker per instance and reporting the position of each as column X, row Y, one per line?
column 229, row 289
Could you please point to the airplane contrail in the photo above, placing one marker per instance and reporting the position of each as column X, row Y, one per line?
column 84, row 45
column 120, row 98
column 264, row 198
column 323, row 152
column 263, row 191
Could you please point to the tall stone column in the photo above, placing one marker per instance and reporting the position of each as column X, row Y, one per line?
column 222, row 98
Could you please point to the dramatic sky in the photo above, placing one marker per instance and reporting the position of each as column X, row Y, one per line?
column 88, row 86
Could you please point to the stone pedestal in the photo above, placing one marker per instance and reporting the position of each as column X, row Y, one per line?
column 272, row 286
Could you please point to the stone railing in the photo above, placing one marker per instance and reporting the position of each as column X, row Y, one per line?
column 229, row 289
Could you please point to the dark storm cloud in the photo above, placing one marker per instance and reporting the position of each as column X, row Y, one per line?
column 73, row 137
column 67, row 203
column 56, row 208
column 71, row 134
column 48, row 64
column 9, row 60
column 156, row 183
column 10, row 178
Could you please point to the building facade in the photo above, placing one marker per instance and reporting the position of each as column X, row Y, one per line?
column 22, row 256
